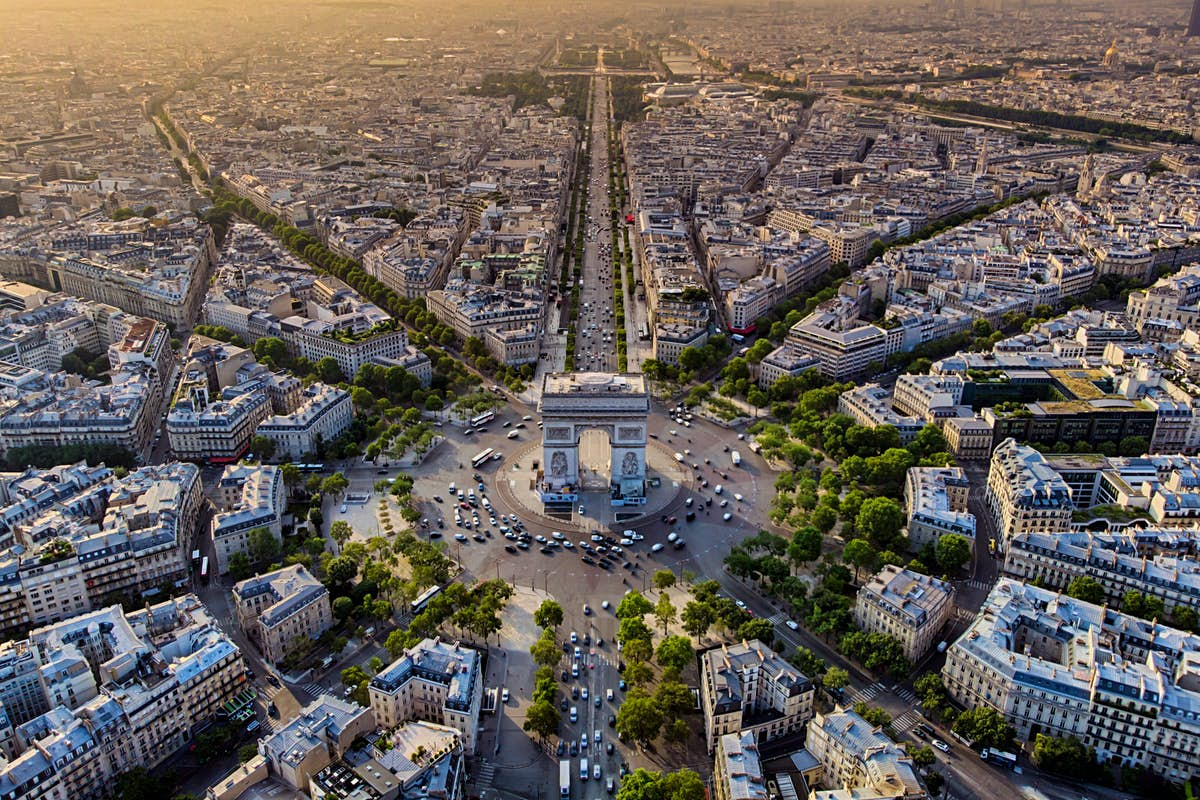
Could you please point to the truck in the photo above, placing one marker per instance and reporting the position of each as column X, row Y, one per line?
column 998, row 757
column 564, row 778
column 736, row 458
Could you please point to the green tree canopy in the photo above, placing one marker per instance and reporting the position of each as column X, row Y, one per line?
column 1087, row 589
column 952, row 551
column 639, row 718
column 548, row 615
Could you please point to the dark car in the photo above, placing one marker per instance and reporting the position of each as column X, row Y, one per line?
column 479, row 538
column 272, row 710
column 562, row 748
column 437, row 498
column 574, row 692
column 546, row 551
column 381, row 472
column 574, row 748
column 566, row 676
column 691, row 516
column 563, row 705
column 608, row 748
column 621, row 684
column 523, row 545
column 271, row 679
column 597, row 701
column 588, row 560
column 679, row 543
column 587, row 639
column 434, row 535
column 672, row 520
column 612, row 720
column 508, row 548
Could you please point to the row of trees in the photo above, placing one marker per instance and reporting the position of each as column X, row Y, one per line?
column 1134, row 603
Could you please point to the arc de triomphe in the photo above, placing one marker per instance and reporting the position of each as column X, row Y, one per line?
column 574, row 402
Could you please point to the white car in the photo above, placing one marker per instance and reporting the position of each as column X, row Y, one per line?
column 740, row 604
column 604, row 604
column 679, row 457
column 567, row 544
column 738, row 497
column 637, row 537
column 557, row 535
column 724, row 503
column 627, row 542
column 791, row 623
column 672, row 536
column 718, row 489
column 574, row 637
column 583, row 695
column 727, row 516
column 656, row 547
column 597, row 537
column 504, row 696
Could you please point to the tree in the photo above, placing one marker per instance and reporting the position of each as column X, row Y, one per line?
column 922, row 755
column 1086, row 589
column 343, row 607
column 548, row 615
column 697, row 618
column 680, row 784
column 340, row 531
column 1065, row 756
column 341, row 571
column 985, row 727
column 1144, row 606
column 880, row 520
column 757, row 628
column 545, row 650
column 1185, row 617
column 335, row 484
column 263, row 447
column 823, row 518
column 805, row 545
column 245, row 753
column 542, row 719
column 859, row 553
column 664, row 611
column 637, row 650
column 329, row 371
column 873, row 714
column 674, row 699
column 836, row 678
column 809, row 662
column 632, row 628
column 632, row 605
column 239, row 567
column 664, row 579
column 675, row 652
column 952, row 551
column 639, row 718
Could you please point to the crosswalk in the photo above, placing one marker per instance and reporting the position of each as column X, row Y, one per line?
column 484, row 776
column 906, row 695
column 965, row 614
column 777, row 618
column 866, row 693
column 905, row 721
column 975, row 583
column 313, row 689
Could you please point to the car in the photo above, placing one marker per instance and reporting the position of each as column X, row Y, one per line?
column 718, row 489
column 657, row 547
column 608, row 748
column 343, row 508
column 574, row 714
column 587, row 640
column 940, row 745
column 792, row 624
column 587, row 610
column 588, row 560
column 581, row 510
column 272, row 709
column 437, row 498
column 574, row 692
column 462, row 537
column 724, row 503
column 727, row 516
column 672, row 520
column 604, row 604
column 567, row 544
column 595, row 772
column 578, row 653
column 574, row 637
column 506, row 424
column 504, row 695
column 271, row 679
column 557, row 535
column 546, row 551
column 583, row 742
column 926, row 729
column 738, row 497
column 608, row 695
column 679, row 544
column 479, row 538
column 612, row 720
column 562, row 748
column 672, row 536
column 527, row 418
column 574, row 748
column 575, row 670
column 508, row 548
column 597, row 701
column 621, row 684
column 597, row 537
column 435, row 534
column 679, row 457
column 523, row 545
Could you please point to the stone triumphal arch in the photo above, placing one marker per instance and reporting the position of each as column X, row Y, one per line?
column 575, row 402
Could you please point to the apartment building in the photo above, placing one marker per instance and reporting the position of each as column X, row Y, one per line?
column 1056, row 665
column 215, row 427
column 925, row 396
column 1024, row 495
column 472, row 308
column 163, row 672
column 906, row 605
column 969, row 438
column 434, row 681
column 748, row 688
column 514, row 346
column 935, row 501
column 858, row 761
column 672, row 338
column 737, row 771
column 749, row 301
column 843, row 349
column 324, row 731
column 416, row 760
column 85, row 536
column 784, row 361
column 277, row 608
column 249, row 497
column 870, row 405
column 1119, row 562
column 322, row 414
column 317, row 339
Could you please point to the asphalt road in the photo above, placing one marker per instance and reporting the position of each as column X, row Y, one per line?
column 595, row 340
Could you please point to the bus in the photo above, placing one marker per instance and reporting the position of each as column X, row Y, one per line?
column 644, row 333
column 736, row 458
column 311, row 467
column 482, row 419
column 998, row 757
column 419, row 604
column 481, row 458
column 564, row 778
column 204, row 569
